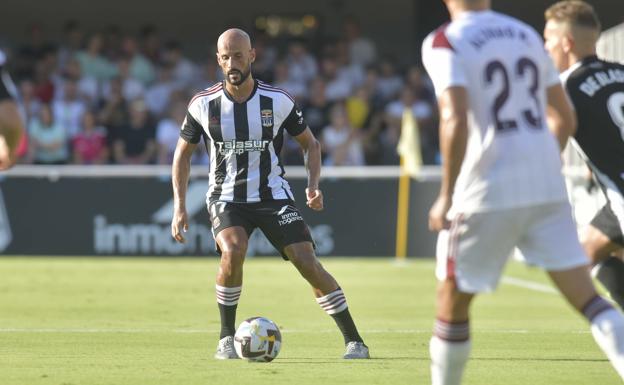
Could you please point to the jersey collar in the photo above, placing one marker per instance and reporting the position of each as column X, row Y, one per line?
column 472, row 14
column 251, row 95
column 586, row 60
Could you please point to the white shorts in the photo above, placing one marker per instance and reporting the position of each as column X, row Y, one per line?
column 476, row 248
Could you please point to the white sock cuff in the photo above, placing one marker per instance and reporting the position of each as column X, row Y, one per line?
column 595, row 306
column 228, row 296
column 334, row 302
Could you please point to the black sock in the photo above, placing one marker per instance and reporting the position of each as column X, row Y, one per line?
column 228, row 320
column 611, row 275
column 347, row 326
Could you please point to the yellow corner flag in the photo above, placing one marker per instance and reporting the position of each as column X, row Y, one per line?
column 411, row 161
column 409, row 144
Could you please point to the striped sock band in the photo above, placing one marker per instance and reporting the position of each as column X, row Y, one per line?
column 228, row 296
column 595, row 306
column 452, row 331
column 334, row 302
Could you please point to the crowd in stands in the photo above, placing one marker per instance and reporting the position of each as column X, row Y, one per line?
column 116, row 98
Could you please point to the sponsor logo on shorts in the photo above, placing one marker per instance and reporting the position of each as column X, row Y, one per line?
column 288, row 214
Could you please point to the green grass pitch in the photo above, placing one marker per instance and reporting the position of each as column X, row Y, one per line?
column 155, row 321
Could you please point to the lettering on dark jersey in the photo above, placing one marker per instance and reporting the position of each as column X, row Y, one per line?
column 596, row 81
column 239, row 147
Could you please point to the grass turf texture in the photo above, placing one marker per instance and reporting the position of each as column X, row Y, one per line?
column 155, row 321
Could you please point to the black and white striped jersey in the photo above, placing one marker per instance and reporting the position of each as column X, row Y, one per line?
column 596, row 88
column 244, row 141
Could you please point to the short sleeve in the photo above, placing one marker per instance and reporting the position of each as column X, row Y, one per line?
column 294, row 123
column 442, row 62
column 191, row 129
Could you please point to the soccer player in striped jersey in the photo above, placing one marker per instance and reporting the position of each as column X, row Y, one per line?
column 502, row 185
column 242, row 121
column 596, row 89
column 11, row 125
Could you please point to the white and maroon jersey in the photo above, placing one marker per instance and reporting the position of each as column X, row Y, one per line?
column 512, row 159
column 245, row 141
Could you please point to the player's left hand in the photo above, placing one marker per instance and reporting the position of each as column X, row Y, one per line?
column 315, row 199
column 437, row 214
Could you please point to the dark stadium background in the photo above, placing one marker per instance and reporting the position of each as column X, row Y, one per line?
column 397, row 26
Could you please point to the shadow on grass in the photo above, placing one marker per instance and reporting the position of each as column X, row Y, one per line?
column 339, row 361
column 324, row 361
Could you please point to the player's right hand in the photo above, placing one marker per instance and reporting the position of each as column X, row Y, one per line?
column 179, row 224
column 314, row 198
column 438, row 212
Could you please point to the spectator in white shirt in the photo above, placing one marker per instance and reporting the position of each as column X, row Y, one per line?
column 341, row 142
column 69, row 109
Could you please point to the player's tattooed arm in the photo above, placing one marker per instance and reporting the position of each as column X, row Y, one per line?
column 453, row 105
column 561, row 116
column 312, row 158
column 181, row 170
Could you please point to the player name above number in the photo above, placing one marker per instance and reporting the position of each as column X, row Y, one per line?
column 598, row 80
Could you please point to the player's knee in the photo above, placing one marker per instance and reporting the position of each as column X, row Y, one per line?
column 233, row 255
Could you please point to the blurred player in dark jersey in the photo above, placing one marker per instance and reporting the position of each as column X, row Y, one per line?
column 596, row 89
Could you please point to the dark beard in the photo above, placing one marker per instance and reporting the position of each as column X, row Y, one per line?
column 243, row 76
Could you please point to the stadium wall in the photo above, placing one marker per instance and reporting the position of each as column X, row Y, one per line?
column 126, row 210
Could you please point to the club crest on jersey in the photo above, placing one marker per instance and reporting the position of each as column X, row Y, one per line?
column 267, row 118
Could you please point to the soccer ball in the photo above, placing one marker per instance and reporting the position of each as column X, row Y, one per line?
column 258, row 339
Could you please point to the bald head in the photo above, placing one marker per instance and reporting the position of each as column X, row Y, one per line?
column 233, row 37
column 235, row 55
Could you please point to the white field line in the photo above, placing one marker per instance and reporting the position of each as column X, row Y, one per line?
column 535, row 286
